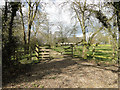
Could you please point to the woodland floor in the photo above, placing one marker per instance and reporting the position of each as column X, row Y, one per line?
column 67, row 72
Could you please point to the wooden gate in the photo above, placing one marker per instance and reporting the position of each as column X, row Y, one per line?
column 42, row 53
column 69, row 50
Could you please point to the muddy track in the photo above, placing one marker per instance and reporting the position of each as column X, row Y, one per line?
column 67, row 72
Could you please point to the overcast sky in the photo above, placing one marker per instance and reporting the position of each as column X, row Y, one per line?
column 2, row 2
column 56, row 13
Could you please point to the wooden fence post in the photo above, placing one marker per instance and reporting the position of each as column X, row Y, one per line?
column 42, row 52
column 93, row 52
column 37, row 51
column 72, row 50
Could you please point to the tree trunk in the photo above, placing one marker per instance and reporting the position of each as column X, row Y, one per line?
column 6, row 9
column 84, row 53
column 31, row 16
column 29, row 28
column 24, row 36
column 10, row 35
column 114, row 48
column 29, row 32
column 118, row 22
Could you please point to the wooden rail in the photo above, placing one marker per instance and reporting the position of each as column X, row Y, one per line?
column 42, row 52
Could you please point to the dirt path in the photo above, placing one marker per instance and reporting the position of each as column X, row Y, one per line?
column 67, row 73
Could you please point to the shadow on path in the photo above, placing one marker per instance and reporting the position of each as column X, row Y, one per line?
column 38, row 71
column 55, row 66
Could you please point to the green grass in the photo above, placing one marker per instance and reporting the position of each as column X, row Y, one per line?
column 102, row 52
column 24, row 58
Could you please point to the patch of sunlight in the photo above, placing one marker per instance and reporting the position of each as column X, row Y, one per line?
column 25, row 61
column 88, row 54
column 102, row 57
column 104, row 45
column 104, row 51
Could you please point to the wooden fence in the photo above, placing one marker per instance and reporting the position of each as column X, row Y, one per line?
column 69, row 50
column 42, row 53
column 37, row 53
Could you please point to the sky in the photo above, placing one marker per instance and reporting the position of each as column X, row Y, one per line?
column 56, row 13
column 2, row 2
column 63, row 14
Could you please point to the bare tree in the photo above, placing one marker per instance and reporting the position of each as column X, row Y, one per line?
column 31, row 16
column 106, row 22
column 23, row 26
column 82, row 15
